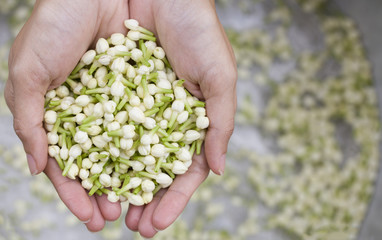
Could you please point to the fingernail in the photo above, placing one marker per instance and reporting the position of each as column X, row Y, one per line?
column 222, row 164
column 32, row 164
column 157, row 229
column 86, row 221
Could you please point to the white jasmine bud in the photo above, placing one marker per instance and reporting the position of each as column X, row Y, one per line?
column 134, row 35
column 105, row 60
column 50, row 94
column 147, row 185
column 73, row 171
column 202, row 122
column 176, row 136
column 88, row 57
column 167, row 113
column 177, row 106
column 86, row 163
column 94, row 130
column 118, row 65
column 149, row 160
column 85, row 78
column 105, row 180
column 78, row 88
column 117, row 89
column 148, row 101
column 137, row 115
column 200, row 111
column 135, row 101
column 87, row 184
column 191, row 135
column 53, row 150
column 142, row 70
column 182, row 117
column 137, row 166
column 92, row 83
column 75, row 109
column 131, row 24
column 52, row 138
column 164, row 180
column 109, row 117
column 75, row 151
column 106, row 137
column 158, row 64
column 113, row 126
column 146, row 139
column 147, row 197
column 64, row 153
column 102, row 45
column 130, row 44
column 163, row 123
column 179, row 167
column 114, row 151
column 159, row 53
column 134, row 199
column 112, row 197
column 115, row 182
column 84, row 174
column 81, row 137
column 121, row 117
column 144, row 150
column 158, row 150
column 96, row 168
column 82, row 100
column 163, row 83
column 136, row 54
column 180, row 93
column 62, row 91
column 149, row 123
column 50, row 117
column 135, row 182
column 48, row 127
column 109, row 106
column 184, row 155
column 126, row 144
column 155, row 139
column 128, row 131
column 171, row 77
column 117, row 39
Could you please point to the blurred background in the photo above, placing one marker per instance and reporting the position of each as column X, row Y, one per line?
column 303, row 161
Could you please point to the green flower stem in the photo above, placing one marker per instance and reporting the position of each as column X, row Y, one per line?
column 199, row 143
column 170, row 173
column 100, row 98
column 145, row 31
column 166, row 99
column 141, row 131
column 94, row 91
column 126, row 180
column 192, row 148
column 79, row 66
column 123, row 54
column 69, row 143
column 166, row 63
column 128, row 92
column 61, row 130
column 174, row 126
column 161, row 109
column 112, row 80
column 67, row 166
column 137, row 190
column 147, row 37
column 188, row 93
column 127, row 83
column 116, row 166
column 115, row 133
column 188, row 107
column 198, row 103
column 122, row 103
column 68, row 119
column 146, row 174
column 167, row 165
column 185, row 125
column 157, row 188
column 116, row 142
column 72, row 130
column 154, row 130
column 153, row 77
column 158, row 105
column 164, row 90
column 54, row 103
column 93, row 67
column 75, row 76
column 56, row 125
column 61, row 140
column 89, row 120
column 79, row 162
column 94, row 149
column 180, row 83
column 143, row 48
column 170, row 147
column 83, row 90
column 172, row 120
column 71, row 83
column 144, row 85
column 124, row 161
column 151, row 111
column 99, row 55
column 65, row 113
column 59, row 162
column 162, row 132
column 104, row 191
column 95, row 187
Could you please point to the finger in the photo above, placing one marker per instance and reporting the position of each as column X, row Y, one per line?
column 133, row 216
column 220, row 94
column 110, row 211
column 70, row 191
column 28, row 111
column 177, row 196
column 146, row 227
column 97, row 222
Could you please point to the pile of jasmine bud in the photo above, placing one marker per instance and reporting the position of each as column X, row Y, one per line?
column 122, row 123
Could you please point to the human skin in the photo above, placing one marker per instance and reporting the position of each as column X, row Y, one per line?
column 53, row 40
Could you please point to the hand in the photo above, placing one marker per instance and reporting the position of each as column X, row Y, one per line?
column 199, row 51
column 44, row 53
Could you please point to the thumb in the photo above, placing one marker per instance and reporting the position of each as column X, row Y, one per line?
column 220, row 95
column 25, row 97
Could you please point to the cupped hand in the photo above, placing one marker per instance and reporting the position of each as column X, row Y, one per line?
column 43, row 54
column 200, row 53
